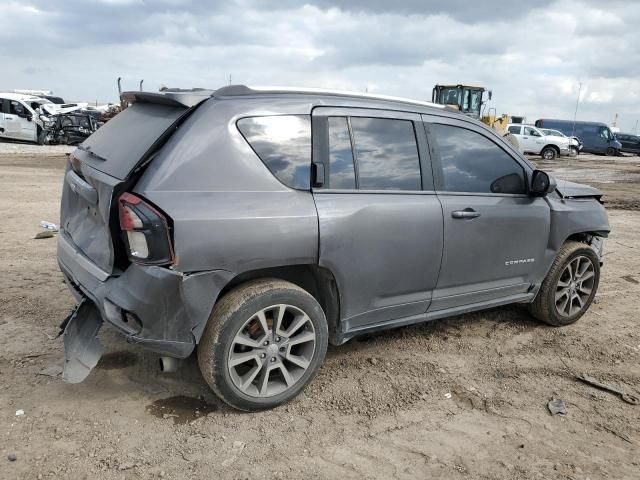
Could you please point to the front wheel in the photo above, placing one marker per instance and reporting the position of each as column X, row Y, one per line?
column 265, row 340
column 570, row 286
column 574, row 151
column 549, row 153
column 611, row 151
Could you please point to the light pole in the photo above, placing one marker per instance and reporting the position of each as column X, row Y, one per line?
column 575, row 114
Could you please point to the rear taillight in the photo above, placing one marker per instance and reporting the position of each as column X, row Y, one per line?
column 147, row 231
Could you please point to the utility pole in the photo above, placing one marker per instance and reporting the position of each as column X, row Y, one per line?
column 575, row 114
column 635, row 129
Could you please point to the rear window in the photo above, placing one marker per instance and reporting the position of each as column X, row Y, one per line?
column 283, row 143
column 119, row 144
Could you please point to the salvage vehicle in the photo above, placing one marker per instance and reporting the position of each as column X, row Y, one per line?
column 596, row 137
column 575, row 145
column 630, row 143
column 20, row 118
column 532, row 140
column 69, row 128
column 257, row 226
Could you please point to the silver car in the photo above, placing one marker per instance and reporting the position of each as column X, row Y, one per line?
column 256, row 226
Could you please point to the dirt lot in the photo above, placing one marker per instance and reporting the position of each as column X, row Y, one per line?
column 455, row 399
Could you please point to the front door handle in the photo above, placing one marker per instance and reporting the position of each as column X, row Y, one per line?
column 466, row 213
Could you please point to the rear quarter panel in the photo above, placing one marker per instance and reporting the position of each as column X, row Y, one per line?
column 229, row 212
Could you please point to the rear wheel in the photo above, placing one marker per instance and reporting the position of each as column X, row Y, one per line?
column 569, row 287
column 549, row 153
column 264, row 341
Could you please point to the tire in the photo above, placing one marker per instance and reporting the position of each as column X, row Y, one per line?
column 556, row 312
column 610, row 151
column 549, row 153
column 235, row 332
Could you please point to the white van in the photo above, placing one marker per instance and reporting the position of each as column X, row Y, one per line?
column 532, row 140
column 21, row 117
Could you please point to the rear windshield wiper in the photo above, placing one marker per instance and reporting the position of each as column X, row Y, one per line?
column 88, row 150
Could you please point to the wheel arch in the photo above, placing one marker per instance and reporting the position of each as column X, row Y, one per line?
column 318, row 281
column 551, row 145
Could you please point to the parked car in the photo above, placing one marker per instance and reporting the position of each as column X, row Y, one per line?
column 259, row 225
column 20, row 118
column 630, row 143
column 596, row 137
column 575, row 145
column 533, row 140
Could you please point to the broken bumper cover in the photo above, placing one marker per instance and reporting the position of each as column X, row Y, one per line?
column 82, row 347
column 158, row 308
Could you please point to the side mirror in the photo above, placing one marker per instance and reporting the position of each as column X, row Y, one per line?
column 541, row 183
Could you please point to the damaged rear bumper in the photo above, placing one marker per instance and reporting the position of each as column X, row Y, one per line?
column 158, row 308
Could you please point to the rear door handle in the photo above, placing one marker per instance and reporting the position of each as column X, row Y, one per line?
column 466, row 213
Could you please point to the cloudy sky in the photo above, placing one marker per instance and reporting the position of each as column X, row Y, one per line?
column 531, row 54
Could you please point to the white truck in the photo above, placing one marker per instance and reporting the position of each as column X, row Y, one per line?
column 533, row 140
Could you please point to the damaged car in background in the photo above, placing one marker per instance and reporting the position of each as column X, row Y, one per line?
column 36, row 119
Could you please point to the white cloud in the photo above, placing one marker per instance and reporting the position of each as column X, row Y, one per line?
column 532, row 57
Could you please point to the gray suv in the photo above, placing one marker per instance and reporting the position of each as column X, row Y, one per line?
column 259, row 225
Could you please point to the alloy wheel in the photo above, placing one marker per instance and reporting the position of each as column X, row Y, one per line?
column 574, row 286
column 271, row 351
column 549, row 154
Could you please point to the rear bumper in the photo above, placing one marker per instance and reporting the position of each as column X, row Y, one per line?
column 158, row 308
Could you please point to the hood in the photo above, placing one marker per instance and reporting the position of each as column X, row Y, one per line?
column 558, row 139
column 568, row 189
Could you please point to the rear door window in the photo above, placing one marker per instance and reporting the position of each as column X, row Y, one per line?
column 341, row 170
column 515, row 129
column 283, row 143
column 386, row 154
column 473, row 163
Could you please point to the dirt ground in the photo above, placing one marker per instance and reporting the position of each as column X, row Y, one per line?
column 455, row 399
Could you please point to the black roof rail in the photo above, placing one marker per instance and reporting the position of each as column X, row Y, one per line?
column 241, row 90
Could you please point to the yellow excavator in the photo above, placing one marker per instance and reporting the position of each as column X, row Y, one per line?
column 472, row 101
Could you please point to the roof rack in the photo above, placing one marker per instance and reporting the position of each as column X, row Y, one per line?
column 243, row 90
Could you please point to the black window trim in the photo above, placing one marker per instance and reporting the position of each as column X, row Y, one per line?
column 436, row 161
column 320, row 145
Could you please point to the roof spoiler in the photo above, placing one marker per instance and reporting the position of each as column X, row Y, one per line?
column 172, row 98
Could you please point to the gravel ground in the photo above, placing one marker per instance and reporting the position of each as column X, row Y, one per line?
column 460, row 398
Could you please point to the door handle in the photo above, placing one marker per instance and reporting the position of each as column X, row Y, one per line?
column 467, row 213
